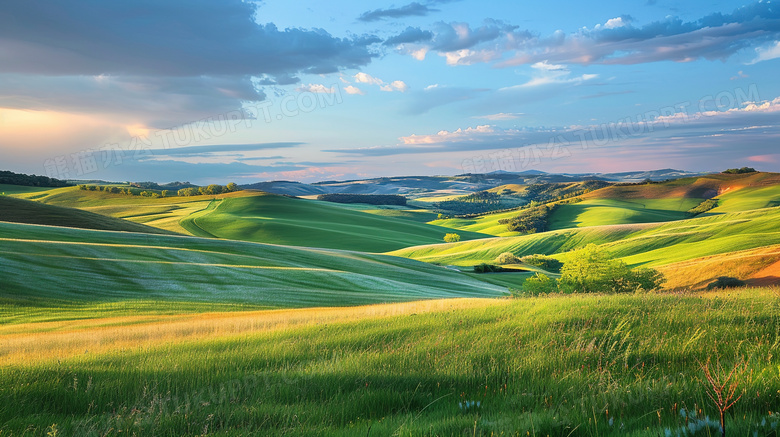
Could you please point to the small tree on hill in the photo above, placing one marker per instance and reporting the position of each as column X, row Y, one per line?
column 507, row 258
column 451, row 238
column 231, row 187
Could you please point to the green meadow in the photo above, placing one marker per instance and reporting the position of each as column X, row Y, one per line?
column 576, row 365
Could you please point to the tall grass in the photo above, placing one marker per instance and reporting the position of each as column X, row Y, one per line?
column 576, row 365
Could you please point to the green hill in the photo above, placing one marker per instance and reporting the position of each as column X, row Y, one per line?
column 25, row 211
column 652, row 245
column 66, row 264
column 276, row 219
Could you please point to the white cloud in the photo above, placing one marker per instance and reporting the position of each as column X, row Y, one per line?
column 353, row 90
column 367, row 78
column 396, row 85
column 548, row 74
column 316, row 88
column 766, row 53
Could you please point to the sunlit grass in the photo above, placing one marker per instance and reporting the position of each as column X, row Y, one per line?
column 575, row 365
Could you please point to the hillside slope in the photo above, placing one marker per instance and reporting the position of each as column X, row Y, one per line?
column 653, row 245
column 88, row 266
column 297, row 222
column 25, row 211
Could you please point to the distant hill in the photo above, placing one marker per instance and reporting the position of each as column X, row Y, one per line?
column 425, row 186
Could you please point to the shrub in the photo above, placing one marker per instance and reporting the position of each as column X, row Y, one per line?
column 507, row 258
column 725, row 282
column 540, row 283
column 451, row 238
column 742, row 170
column 543, row 262
column 487, row 268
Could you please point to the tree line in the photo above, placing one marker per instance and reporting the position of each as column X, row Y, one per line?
column 184, row 192
column 11, row 178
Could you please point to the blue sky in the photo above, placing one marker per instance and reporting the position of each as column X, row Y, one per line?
column 217, row 91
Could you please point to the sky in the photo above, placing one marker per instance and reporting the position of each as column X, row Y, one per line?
column 229, row 90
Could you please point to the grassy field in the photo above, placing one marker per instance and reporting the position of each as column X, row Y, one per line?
column 555, row 366
column 297, row 222
column 600, row 212
column 652, row 245
column 41, row 263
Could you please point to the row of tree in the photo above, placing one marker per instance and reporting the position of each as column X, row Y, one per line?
column 123, row 190
column 11, row 178
column 208, row 190
column 184, row 192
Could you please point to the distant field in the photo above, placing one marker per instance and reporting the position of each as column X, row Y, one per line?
column 561, row 366
column 652, row 245
column 43, row 264
column 486, row 224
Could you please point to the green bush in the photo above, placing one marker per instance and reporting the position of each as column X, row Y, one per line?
column 539, row 284
column 507, row 258
column 543, row 262
column 487, row 268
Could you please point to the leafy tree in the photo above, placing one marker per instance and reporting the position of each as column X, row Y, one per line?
column 451, row 238
column 590, row 269
column 164, row 193
column 231, row 187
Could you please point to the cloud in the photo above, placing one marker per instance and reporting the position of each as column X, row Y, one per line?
column 353, row 90
column 771, row 51
column 753, row 126
column 396, row 85
column 222, row 148
column 616, row 41
column 367, row 78
column 410, row 35
column 410, row 10
column 316, row 88
column 501, row 116
column 197, row 56
column 549, row 74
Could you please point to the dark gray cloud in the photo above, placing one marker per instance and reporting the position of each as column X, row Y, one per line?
column 410, row 35
column 171, row 38
column 157, row 62
column 411, row 10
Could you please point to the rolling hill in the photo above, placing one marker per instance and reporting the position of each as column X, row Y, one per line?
column 652, row 244
column 26, row 211
column 65, row 264
column 297, row 222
